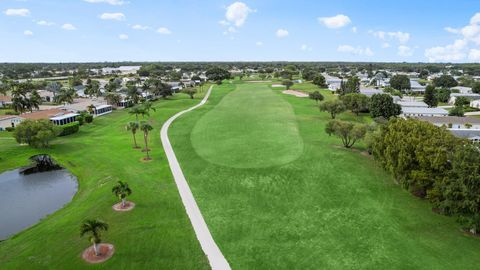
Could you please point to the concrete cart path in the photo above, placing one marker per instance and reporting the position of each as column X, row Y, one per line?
column 215, row 257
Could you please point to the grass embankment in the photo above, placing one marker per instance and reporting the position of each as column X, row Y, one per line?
column 330, row 208
column 155, row 235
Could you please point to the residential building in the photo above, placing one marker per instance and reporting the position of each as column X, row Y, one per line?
column 454, row 96
column 5, row 100
column 9, row 121
column 421, row 111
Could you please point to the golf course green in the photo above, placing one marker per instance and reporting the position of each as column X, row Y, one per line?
column 329, row 208
column 242, row 138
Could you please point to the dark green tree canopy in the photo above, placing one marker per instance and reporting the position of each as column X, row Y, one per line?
column 446, row 81
column 382, row 105
column 400, row 82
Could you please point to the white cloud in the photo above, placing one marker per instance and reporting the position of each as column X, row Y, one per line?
column 355, row 50
column 281, row 33
column 466, row 45
column 337, row 21
column 305, row 47
column 17, row 12
column 110, row 2
column 113, row 16
column 259, row 43
column 385, row 45
column 354, row 29
column 164, row 31
column 68, row 26
column 140, row 27
column 237, row 13
column 224, row 23
column 123, row 36
column 28, row 33
column 474, row 55
column 452, row 30
column 405, row 50
column 45, row 23
column 401, row 37
column 453, row 52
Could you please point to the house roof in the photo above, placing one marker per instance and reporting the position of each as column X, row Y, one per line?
column 64, row 116
column 5, row 98
column 5, row 117
column 412, row 104
column 450, row 120
column 46, row 114
column 466, row 133
column 421, row 110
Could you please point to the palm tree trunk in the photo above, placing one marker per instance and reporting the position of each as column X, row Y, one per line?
column 134, row 140
column 95, row 248
column 145, row 137
column 124, row 202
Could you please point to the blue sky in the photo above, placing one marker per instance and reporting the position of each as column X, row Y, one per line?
column 217, row 30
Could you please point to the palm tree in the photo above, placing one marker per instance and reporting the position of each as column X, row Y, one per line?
column 146, row 127
column 147, row 106
column 122, row 190
column 137, row 110
column 93, row 227
column 113, row 98
column 133, row 127
column 65, row 96
column 34, row 101
column 132, row 94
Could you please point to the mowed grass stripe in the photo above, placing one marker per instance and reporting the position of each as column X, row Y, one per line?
column 251, row 127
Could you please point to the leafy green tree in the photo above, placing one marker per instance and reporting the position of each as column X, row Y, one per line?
column 424, row 74
column 352, row 85
column 93, row 88
column 347, row 131
column 430, row 97
column 74, row 81
column 400, row 82
column 190, row 91
column 333, row 107
column 315, row 95
column 462, row 101
column 146, row 128
column 133, row 95
column 133, row 127
column 93, row 227
column 355, row 102
column 218, row 74
column 446, row 81
column 308, row 74
column 287, row 83
column 36, row 133
column 54, row 87
column 443, row 94
column 382, row 105
column 476, row 87
column 122, row 190
column 406, row 149
column 319, row 81
column 457, row 111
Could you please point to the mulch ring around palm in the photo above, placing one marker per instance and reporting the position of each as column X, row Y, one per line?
column 128, row 206
column 106, row 252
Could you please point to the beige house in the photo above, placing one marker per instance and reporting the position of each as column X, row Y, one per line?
column 9, row 121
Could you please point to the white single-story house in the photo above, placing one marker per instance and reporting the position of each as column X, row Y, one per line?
column 420, row 111
column 9, row 121
column 417, row 104
column 102, row 110
column 471, row 134
column 454, row 122
column 46, row 95
column 475, row 103
column 453, row 97
column 64, row 119
column 370, row 91
column 416, row 87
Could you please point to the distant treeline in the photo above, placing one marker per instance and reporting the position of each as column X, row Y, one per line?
column 32, row 70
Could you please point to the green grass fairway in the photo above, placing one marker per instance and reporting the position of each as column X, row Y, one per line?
column 330, row 208
column 252, row 127
column 155, row 235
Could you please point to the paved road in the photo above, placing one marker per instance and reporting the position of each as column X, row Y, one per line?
column 210, row 248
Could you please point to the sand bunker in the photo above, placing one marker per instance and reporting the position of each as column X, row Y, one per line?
column 295, row 93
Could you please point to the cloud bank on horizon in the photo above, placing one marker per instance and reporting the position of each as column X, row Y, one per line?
column 117, row 30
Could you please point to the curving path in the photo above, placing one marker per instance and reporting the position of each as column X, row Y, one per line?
column 215, row 257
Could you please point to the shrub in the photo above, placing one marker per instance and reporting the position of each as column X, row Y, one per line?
column 36, row 133
column 88, row 118
column 9, row 129
column 12, row 113
column 80, row 119
column 70, row 128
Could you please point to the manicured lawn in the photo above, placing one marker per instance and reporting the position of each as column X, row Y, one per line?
column 254, row 140
column 328, row 208
column 155, row 235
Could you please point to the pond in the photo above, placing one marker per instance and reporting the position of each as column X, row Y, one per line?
column 27, row 198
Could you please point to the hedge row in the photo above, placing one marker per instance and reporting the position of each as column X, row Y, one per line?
column 70, row 128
